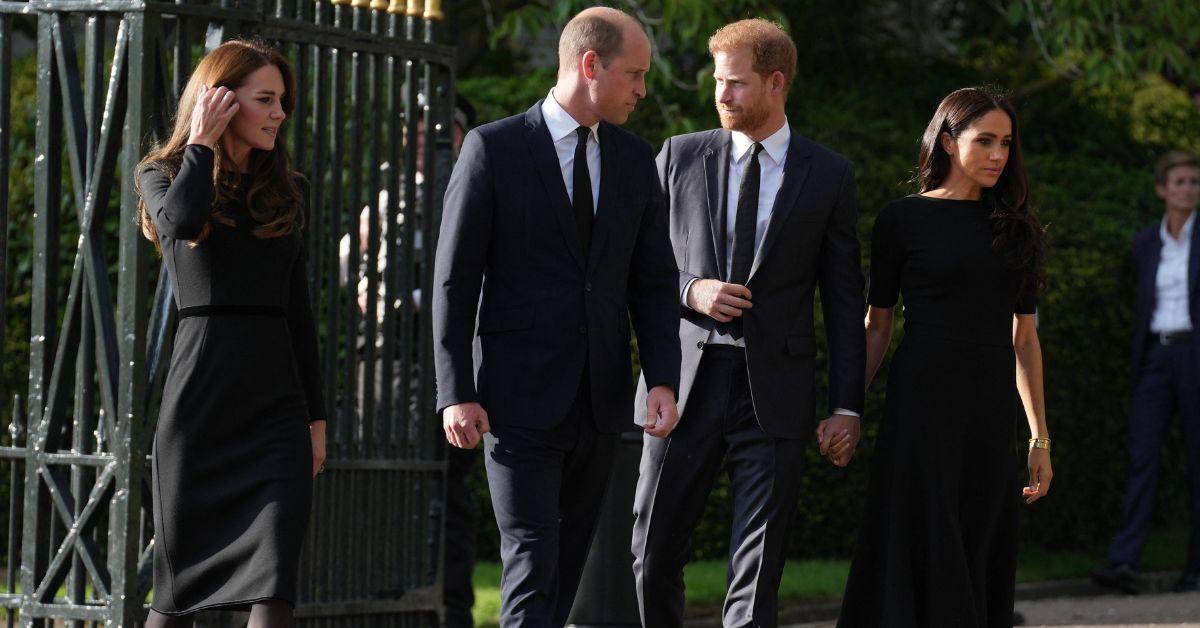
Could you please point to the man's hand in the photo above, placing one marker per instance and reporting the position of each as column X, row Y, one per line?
column 719, row 300
column 465, row 424
column 838, row 438
column 661, row 412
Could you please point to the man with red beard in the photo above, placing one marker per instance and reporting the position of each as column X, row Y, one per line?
column 759, row 217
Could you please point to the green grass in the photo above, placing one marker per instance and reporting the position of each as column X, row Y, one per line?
column 824, row 579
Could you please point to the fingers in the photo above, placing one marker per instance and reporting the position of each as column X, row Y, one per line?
column 667, row 418
column 737, row 290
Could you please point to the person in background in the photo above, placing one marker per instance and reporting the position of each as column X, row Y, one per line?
column 458, row 594
column 1166, row 368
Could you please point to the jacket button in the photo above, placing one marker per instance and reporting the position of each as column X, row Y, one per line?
column 587, row 287
column 583, row 329
column 699, row 344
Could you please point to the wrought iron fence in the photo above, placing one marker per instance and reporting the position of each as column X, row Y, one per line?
column 370, row 74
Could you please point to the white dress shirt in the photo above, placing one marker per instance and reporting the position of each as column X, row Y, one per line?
column 562, row 132
column 770, row 162
column 1171, row 283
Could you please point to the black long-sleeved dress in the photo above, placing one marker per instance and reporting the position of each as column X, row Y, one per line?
column 232, row 452
column 939, row 533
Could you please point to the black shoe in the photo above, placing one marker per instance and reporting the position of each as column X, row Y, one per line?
column 1188, row 581
column 1018, row 618
column 1120, row 577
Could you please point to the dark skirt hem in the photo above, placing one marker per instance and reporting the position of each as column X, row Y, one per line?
column 236, row 605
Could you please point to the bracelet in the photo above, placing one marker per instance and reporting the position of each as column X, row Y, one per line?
column 1040, row 443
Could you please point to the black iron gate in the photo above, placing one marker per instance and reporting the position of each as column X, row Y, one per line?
column 108, row 72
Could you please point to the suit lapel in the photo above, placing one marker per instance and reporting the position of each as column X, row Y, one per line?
column 716, row 178
column 1146, row 283
column 606, row 208
column 1194, row 258
column 545, row 161
column 795, row 171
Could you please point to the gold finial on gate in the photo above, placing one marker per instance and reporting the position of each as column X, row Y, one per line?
column 433, row 10
column 360, row 4
column 414, row 8
column 397, row 6
column 339, row 2
column 379, row 5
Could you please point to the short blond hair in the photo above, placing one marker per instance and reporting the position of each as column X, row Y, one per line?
column 1171, row 160
column 772, row 48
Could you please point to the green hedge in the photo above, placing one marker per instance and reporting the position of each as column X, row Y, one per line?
column 1092, row 186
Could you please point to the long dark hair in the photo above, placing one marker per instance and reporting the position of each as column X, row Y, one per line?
column 1019, row 234
column 275, row 191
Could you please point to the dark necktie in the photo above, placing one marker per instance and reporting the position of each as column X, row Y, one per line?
column 743, row 228
column 581, row 184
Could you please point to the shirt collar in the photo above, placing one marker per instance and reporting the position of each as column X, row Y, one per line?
column 560, row 123
column 1185, row 234
column 775, row 145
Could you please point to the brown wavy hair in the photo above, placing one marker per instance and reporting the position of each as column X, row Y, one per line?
column 274, row 198
column 1019, row 234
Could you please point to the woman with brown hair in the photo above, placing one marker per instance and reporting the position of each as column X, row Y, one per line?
column 938, row 540
column 241, row 431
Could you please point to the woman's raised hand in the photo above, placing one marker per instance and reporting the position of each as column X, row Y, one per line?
column 211, row 115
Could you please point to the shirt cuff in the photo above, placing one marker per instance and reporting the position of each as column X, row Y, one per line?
column 846, row 412
column 687, row 287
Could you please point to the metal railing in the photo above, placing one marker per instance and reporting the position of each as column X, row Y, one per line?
column 370, row 74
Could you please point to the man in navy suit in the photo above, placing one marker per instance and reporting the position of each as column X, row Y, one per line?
column 1166, row 363
column 553, row 238
column 760, row 216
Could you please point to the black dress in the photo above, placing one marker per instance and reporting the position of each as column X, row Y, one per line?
column 938, row 540
column 232, row 452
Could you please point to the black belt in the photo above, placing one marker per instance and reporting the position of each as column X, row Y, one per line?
column 1169, row 337
column 721, row 350
column 232, row 310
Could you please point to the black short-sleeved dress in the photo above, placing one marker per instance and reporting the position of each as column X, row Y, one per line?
column 232, row 452
column 938, row 540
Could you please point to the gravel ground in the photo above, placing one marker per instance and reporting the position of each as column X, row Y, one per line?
column 1131, row 611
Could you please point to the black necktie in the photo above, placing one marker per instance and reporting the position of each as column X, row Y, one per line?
column 581, row 184
column 743, row 228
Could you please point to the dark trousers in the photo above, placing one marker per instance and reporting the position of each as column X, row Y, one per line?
column 677, row 476
column 458, row 593
column 546, row 488
column 1169, row 382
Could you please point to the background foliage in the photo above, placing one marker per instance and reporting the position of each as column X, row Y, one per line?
column 1101, row 91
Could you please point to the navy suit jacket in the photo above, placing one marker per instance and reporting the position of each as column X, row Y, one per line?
column 509, row 264
column 1147, row 251
column 811, row 240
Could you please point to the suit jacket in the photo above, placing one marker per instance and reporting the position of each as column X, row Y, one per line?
column 1147, row 251
column 811, row 239
column 509, row 263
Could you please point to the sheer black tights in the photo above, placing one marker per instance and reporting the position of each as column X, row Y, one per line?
column 265, row 614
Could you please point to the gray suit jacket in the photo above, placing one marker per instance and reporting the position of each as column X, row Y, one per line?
column 811, row 240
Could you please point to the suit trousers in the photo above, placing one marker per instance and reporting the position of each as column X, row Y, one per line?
column 546, row 487
column 1168, row 382
column 677, row 476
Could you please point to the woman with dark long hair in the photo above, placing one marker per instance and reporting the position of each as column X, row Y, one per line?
column 241, row 431
column 938, row 540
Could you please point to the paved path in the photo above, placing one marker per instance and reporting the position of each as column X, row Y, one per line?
column 1140, row 611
